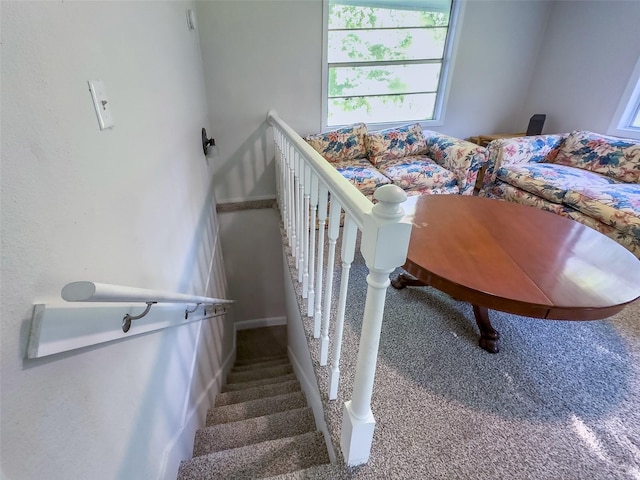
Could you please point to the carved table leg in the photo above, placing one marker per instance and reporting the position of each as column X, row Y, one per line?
column 403, row 280
column 489, row 338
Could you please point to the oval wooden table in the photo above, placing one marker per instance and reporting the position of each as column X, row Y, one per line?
column 517, row 259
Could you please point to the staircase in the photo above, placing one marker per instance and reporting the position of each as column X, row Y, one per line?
column 260, row 426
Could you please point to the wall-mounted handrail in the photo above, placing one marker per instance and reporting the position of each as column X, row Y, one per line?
column 103, row 292
column 84, row 291
column 58, row 327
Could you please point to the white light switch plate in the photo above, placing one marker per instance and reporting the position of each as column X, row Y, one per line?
column 101, row 103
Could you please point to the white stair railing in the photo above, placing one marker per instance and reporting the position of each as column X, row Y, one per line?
column 307, row 187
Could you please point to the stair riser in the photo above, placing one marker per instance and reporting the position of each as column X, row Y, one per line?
column 234, row 387
column 255, row 408
column 255, row 366
column 270, row 458
column 260, row 374
column 265, row 391
column 250, row 361
column 252, row 431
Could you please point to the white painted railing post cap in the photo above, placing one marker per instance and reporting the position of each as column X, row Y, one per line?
column 389, row 199
column 385, row 231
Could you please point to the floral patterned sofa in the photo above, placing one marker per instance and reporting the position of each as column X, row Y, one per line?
column 420, row 162
column 591, row 178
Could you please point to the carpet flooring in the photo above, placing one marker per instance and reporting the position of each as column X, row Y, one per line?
column 260, row 425
column 560, row 401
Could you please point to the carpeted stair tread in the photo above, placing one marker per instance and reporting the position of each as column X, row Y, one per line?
column 267, row 363
column 257, row 374
column 256, row 383
column 326, row 471
column 255, row 408
column 255, row 393
column 254, row 430
column 265, row 459
column 251, row 360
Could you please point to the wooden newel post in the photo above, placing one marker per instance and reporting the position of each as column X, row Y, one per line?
column 385, row 241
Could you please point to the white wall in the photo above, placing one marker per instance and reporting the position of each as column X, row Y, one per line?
column 494, row 62
column 259, row 55
column 586, row 60
column 252, row 248
column 130, row 206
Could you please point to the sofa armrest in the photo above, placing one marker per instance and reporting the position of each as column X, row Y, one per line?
column 510, row 151
column 463, row 158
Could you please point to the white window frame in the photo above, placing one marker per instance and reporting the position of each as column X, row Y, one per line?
column 444, row 86
column 627, row 108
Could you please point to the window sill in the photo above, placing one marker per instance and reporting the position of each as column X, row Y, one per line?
column 625, row 132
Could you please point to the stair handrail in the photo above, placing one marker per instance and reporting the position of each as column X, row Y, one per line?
column 91, row 318
column 87, row 291
column 304, row 182
column 351, row 199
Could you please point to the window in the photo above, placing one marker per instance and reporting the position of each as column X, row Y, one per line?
column 626, row 121
column 635, row 122
column 386, row 60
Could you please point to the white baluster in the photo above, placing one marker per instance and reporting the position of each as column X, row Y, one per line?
column 296, row 200
column 385, row 241
column 283, row 187
column 347, row 251
column 313, row 199
column 276, row 159
column 281, row 182
column 287, row 189
column 332, row 233
column 305, row 230
column 300, row 210
column 322, row 219
column 292, row 202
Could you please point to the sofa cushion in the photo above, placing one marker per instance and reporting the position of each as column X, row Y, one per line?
column 362, row 174
column 395, row 143
column 342, row 144
column 617, row 205
column 549, row 181
column 451, row 190
column 510, row 193
column 418, row 172
column 615, row 157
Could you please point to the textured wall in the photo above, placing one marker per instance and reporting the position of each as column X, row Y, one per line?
column 257, row 55
column 131, row 206
column 252, row 248
column 588, row 54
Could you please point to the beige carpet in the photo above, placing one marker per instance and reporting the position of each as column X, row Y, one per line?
column 261, row 425
column 560, row 401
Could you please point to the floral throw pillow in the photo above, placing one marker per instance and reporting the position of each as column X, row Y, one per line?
column 342, row 144
column 614, row 157
column 395, row 143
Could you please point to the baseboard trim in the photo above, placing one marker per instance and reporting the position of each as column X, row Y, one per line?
column 260, row 323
